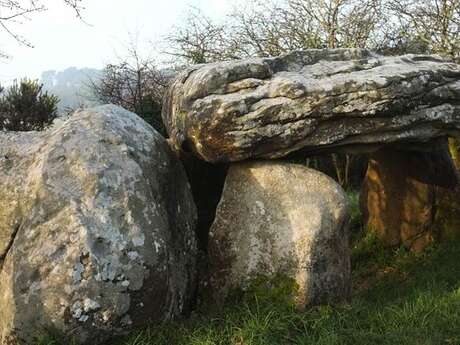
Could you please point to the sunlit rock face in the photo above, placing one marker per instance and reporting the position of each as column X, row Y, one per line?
column 311, row 101
column 279, row 220
column 96, row 229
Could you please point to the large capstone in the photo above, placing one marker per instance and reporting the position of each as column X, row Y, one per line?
column 281, row 221
column 311, row 101
column 96, row 229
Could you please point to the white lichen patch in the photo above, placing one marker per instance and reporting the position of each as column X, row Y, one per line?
column 90, row 305
column 139, row 240
column 157, row 246
column 77, row 272
column 261, row 207
column 126, row 321
column 76, row 310
column 83, row 318
column 133, row 255
column 110, row 270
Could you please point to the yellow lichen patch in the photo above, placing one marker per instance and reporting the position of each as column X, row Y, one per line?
column 448, row 207
column 454, row 148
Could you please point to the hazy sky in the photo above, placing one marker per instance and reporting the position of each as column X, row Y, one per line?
column 62, row 41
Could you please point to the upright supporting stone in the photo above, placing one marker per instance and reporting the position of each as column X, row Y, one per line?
column 96, row 230
column 281, row 220
column 401, row 193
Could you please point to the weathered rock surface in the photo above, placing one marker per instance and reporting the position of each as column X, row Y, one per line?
column 279, row 219
column 314, row 100
column 96, row 229
column 406, row 196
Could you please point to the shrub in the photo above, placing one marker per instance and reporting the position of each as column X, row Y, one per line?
column 26, row 107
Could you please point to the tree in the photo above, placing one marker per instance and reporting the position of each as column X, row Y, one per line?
column 200, row 40
column 431, row 26
column 25, row 107
column 335, row 23
column 13, row 11
column 135, row 84
column 271, row 28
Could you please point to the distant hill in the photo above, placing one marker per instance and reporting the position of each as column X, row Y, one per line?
column 70, row 85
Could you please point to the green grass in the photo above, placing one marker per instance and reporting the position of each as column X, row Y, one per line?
column 398, row 298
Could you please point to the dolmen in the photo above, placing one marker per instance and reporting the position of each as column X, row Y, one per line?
column 98, row 219
column 276, row 218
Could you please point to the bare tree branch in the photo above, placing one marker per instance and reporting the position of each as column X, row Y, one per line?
column 135, row 83
column 12, row 12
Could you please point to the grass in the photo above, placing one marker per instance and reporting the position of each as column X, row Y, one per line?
column 398, row 298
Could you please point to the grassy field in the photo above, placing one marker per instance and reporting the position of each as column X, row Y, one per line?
column 398, row 298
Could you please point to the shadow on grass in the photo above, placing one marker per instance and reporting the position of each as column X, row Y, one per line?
column 399, row 298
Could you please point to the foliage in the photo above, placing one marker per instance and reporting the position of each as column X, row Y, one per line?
column 135, row 84
column 200, row 40
column 25, row 107
column 271, row 28
column 432, row 24
column 347, row 169
column 356, row 219
column 266, row 291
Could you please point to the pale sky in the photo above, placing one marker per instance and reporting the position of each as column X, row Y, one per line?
column 60, row 40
